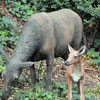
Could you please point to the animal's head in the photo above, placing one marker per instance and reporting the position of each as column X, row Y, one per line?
column 11, row 73
column 73, row 56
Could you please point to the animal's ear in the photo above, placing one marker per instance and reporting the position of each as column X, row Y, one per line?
column 70, row 48
column 5, row 57
column 82, row 50
column 26, row 64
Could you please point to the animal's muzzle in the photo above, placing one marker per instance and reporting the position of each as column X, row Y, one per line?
column 67, row 63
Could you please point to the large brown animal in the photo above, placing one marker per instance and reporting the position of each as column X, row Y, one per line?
column 44, row 36
column 75, row 71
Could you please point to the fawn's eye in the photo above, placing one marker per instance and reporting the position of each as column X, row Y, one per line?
column 75, row 56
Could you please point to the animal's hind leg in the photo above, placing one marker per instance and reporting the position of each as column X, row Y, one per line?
column 33, row 75
column 76, row 41
column 50, row 63
column 82, row 97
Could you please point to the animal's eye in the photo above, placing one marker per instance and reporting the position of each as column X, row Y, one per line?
column 75, row 56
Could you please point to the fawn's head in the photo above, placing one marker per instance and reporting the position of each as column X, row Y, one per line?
column 73, row 56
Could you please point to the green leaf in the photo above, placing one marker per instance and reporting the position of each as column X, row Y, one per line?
column 97, row 66
column 26, row 98
column 29, row 12
column 18, row 15
column 49, row 96
column 24, row 1
column 4, row 33
column 84, row 56
column 21, row 78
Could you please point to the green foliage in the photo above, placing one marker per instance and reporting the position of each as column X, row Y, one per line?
column 21, row 78
column 58, row 91
column 21, row 9
column 41, row 71
column 78, row 5
column 95, row 57
column 95, row 91
column 25, row 95
column 37, row 94
column 2, row 65
column 25, row 8
column 8, row 36
column 52, row 5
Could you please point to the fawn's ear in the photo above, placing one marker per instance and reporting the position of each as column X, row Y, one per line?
column 82, row 50
column 70, row 48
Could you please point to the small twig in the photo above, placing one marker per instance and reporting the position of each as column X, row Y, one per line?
column 91, row 38
column 86, row 28
column 95, row 31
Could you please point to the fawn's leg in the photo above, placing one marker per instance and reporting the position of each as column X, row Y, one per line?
column 69, row 82
column 78, row 86
column 82, row 89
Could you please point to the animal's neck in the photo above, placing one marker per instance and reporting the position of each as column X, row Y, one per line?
column 76, row 72
column 77, row 66
column 18, row 55
column 22, row 52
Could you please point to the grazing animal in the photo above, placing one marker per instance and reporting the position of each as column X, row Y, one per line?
column 43, row 37
column 74, row 71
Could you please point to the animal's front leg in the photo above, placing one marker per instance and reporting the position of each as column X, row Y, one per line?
column 50, row 63
column 82, row 90
column 69, row 82
column 33, row 75
column 78, row 86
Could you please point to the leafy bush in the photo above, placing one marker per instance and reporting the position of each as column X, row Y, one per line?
column 80, row 6
column 58, row 92
column 8, row 36
column 2, row 65
column 95, row 57
column 21, row 9
column 95, row 91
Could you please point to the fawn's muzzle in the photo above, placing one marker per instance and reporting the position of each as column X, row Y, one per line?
column 67, row 63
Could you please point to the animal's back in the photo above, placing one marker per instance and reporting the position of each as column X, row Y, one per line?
column 45, row 32
column 67, row 27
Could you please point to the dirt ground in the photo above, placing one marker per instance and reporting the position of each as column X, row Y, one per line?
column 92, row 75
